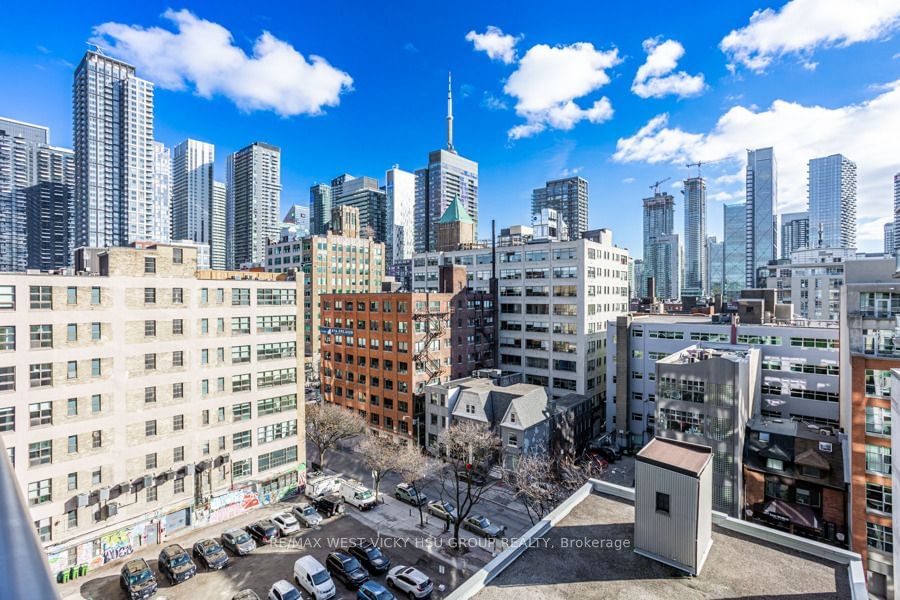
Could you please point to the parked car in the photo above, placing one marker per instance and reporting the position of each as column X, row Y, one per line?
column 263, row 531
column 283, row 590
column 238, row 541
column 613, row 450
column 330, row 505
column 310, row 575
column 473, row 477
column 247, row 594
column 137, row 579
column 211, row 554
column 607, row 455
column 480, row 525
column 405, row 492
column 176, row 564
column 286, row 523
column 411, row 581
column 346, row 568
column 371, row 557
column 442, row 509
column 307, row 515
column 372, row 590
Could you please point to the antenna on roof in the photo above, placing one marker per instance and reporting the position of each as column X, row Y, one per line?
column 96, row 48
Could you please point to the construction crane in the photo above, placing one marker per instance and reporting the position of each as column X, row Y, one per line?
column 699, row 163
column 655, row 186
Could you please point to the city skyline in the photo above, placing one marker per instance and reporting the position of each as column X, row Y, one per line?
column 615, row 151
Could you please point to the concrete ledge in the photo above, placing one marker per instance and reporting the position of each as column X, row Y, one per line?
column 487, row 573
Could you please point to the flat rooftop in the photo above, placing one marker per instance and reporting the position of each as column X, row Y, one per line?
column 589, row 554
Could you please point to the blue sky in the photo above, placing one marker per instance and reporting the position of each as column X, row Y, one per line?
column 550, row 89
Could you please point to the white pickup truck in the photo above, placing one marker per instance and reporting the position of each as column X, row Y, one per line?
column 355, row 493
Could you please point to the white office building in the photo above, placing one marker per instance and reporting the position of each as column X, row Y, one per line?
column 192, row 194
column 555, row 300
column 400, row 235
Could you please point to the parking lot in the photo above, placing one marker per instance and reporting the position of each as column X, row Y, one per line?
column 267, row 564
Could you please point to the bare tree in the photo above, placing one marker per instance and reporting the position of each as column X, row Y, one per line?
column 416, row 467
column 328, row 424
column 469, row 448
column 380, row 455
column 543, row 481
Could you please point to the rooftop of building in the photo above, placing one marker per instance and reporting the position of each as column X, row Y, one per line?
column 588, row 554
column 701, row 352
column 456, row 212
column 676, row 455
column 699, row 319
column 796, row 445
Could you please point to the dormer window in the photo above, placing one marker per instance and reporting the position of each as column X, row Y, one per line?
column 512, row 417
column 764, row 436
column 808, row 471
column 470, row 409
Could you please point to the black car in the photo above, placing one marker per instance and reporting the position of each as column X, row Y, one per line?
column 607, row 454
column 137, row 579
column 211, row 554
column 473, row 477
column 329, row 505
column 263, row 531
column 346, row 568
column 176, row 564
column 371, row 557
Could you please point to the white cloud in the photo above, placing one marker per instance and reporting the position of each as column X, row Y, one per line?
column 655, row 78
column 498, row 45
column 861, row 132
column 492, row 102
column 628, row 180
column 202, row 54
column 571, row 172
column 549, row 79
column 802, row 26
column 722, row 196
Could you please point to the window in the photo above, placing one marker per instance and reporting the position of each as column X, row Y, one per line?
column 39, row 492
column 41, row 336
column 240, row 325
column 267, row 379
column 150, row 394
column 662, row 503
column 512, row 440
column 878, row 459
column 878, row 421
column 178, row 390
column 95, row 296
column 178, row 422
column 150, row 428
column 72, row 481
column 41, row 374
column 40, row 413
column 277, row 431
column 277, row 404
column 178, row 454
column 178, row 358
column 44, row 529
column 72, row 407
column 96, row 403
column 40, row 453
column 149, row 295
column 240, row 354
column 149, row 328
column 240, row 383
column 8, row 418
column 880, row 537
column 240, row 412
column 72, row 444
column 7, row 297
column 151, row 494
column 71, row 295
column 278, row 458
column 7, row 379
column 96, row 439
column 72, row 332
column 150, row 461
column 177, row 256
column 96, row 477
column 179, row 485
column 7, row 337
column 879, row 497
column 240, row 297
column 96, row 331
column 241, row 439
column 96, row 367
column 41, row 297
column 177, row 326
column 242, row 468
column 149, row 362
column 72, row 369
column 149, row 264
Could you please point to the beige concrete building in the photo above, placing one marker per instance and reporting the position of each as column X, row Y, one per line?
column 339, row 262
column 148, row 397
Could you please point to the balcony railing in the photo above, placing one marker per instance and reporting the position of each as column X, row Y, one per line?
column 26, row 573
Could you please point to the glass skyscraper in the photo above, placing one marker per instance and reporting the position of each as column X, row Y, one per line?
column 794, row 233
column 761, row 211
column 320, row 204
column 369, row 199
column 695, row 283
column 715, row 260
column 569, row 197
column 192, row 193
column 112, row 113
column 735, row 249
column 659, row 256
column 832, row 201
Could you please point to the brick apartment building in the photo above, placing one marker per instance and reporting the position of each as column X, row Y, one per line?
column 380, row 351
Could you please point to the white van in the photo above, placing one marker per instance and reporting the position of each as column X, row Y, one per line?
column 355, row 493
column 310, row 575
column 319, row 484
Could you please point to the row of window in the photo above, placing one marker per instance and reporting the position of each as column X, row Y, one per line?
column 41, row 296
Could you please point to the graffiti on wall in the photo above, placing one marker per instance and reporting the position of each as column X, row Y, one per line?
column 116, row 545
column 232, row 504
